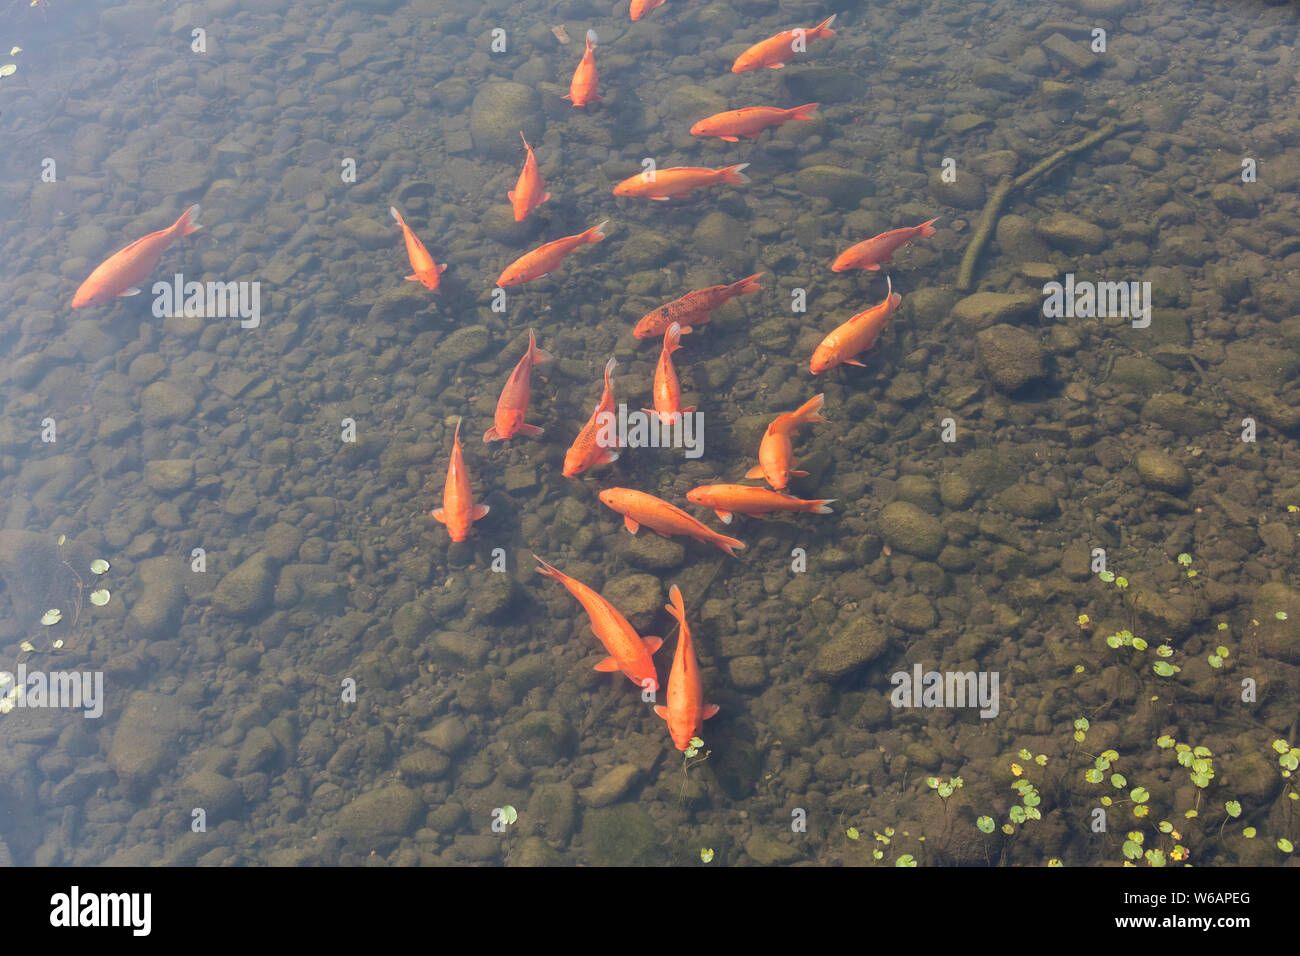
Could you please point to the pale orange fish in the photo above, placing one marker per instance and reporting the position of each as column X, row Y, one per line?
column 856, row 335
column 639, row 508
column 529, row 192
column 512, row 406
column 628, row 652
column 694, row 308
column 686, row 710
column 870, row 253
column 678, row 181
column 426, row 272
column 775, row 52
column 641, row 7
column 587, row 449
column 667, row 389
column 458, row 511
column 775, row 453
column 749, row 122
column 752, row 501
column 540, row 262
column 582, row 88
column 122, row 272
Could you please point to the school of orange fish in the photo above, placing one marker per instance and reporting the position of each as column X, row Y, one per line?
column 685, row 709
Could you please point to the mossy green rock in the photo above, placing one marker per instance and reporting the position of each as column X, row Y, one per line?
column 219, row 796
column 985, row 309
column 499, row 113
column 247, row 589
column 653, row 552
column 498, row 224
column 913, row 613
column 611, row 786
column 645, row 249
column 766, row 850
column 1071, row 234
column 1139, row 374
column 1012, row 357
column 965, row 191
column 552, row 812
column 718, row 234
column 622, row 835
column 380, row 817
column 841, row 186
column 1029, row 501
column 638, row 597
column 1178, row 413
column 146, row 741
column 1161, row 471
column 542, row 738
column 853, row 646
column 459, row 649
column 157, row 610
column 907, row 528
column 1279, row 638
column 449, row 735
column 169, row 475
column 163, row 403
column 463, row 345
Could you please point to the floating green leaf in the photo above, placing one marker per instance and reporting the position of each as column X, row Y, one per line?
column 98, row 566
column 1139, row 795
column 99, row 597
column 1233, row 808
column 52, row 616
column 9, row 69
column 706, row 855
column 985, row 823
column 1285, row 845
column 852, row 833
column 905, row 860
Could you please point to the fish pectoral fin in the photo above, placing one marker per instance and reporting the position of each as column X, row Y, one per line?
column 492, row 434
column 776, row 66
column 662, row 711
column 610, row 456
column 661, row 198
column 854, row 362
column 724, row 515
column 652, row 644
column 544, row 197
column 412, row 278
column 755, row 472
column 729, row 139
column 128, row 292
column 797, row 473
column 439, row 515
column 510, row 194
column 532, row 431
column 607, row 666
column 480, row 511
column 631, row 524
column 708, row 711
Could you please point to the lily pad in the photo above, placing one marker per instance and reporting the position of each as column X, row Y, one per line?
column 100, row 597
column 52, row 616
column 98, row 566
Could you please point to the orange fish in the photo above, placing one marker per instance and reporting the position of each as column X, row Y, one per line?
column 775, row 454
column 458, row 511
column 586, row 449
column 869, row 253
column 639, row 508
column 667, row 390
column 856, row 335
column 628, row 652
column 678, row 181
column 582, row 88
column 692, row 309
column 748, row 500
column 749, row 122
column 121, row 273
column 540, row 262
column 426, row 272
column 775, row 52
column 641, row 7
column 512, row 406
column 527, row 194
column 686, row 710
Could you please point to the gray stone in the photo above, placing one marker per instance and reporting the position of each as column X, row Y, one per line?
column 1011, row 356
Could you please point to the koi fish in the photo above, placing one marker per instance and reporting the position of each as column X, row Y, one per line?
column 856, row 335
column 686, row 710
column 512, row 406
column 748, row 500
column 122, row 272
column 527, row 194
column 628, row 652
column 458, row 511
column 639, row 508
column 586, row 449
column 582, row 88
column 775, row 454
column 693, row 309
column 749, row 122
column 540, row 262
column 667, row 389
column 426, row 272
column 678, row 181
column 641, row 7
column 870, row 253
column 775, row 52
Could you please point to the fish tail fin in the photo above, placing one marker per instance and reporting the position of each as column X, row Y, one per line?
column 735, row 174
column 822, row 506
column 803, row 112
column 525, row 139
column 673, row 338
column 609, row 371
column 550, row 572
column 591, row 38
column 729, row 545
column 596, row 233
column 456, row 437
column 927, row 228
column 539, row 355
column 188, row 222
column 823, row 29
column 397, row 216
column 810, row 410
column 676, row 608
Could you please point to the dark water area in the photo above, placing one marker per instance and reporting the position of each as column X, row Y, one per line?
column 1089, row 511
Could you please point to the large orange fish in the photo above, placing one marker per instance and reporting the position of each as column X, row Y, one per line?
column 667, row 389
column 686, row 710
column 512, row 406
column 586, row 449
column 528, row 193
column 678, row 181
column 582, row 88
column 751, row 501
column 425, row 271
column 540, row 262
column 775, row 453
column 628, row 652
column 458, row 511
column 639, row 508
column 641, row 7
column 856, row 335
column 749, row 122
column 869, row 253
column 775, row 52
column 122, row 272
column 692, row 309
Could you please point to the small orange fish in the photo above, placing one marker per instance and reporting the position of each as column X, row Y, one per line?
column 528, row 192
column 124, row 270
column 694, row 308
column 512, row 406
column 641, row 7
column 678, row 181
column 870, row 253
column 856, row 335
column 540, row 262
column 775, row 453
column 628, row 652
column 582, row 88
column 458, row 511
column 775, row 52
column 426, row 272
column 667, row 389
column 586, row 449
column 639, row 508
column 749, row 122
column 686, row 710
column 751, row 501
